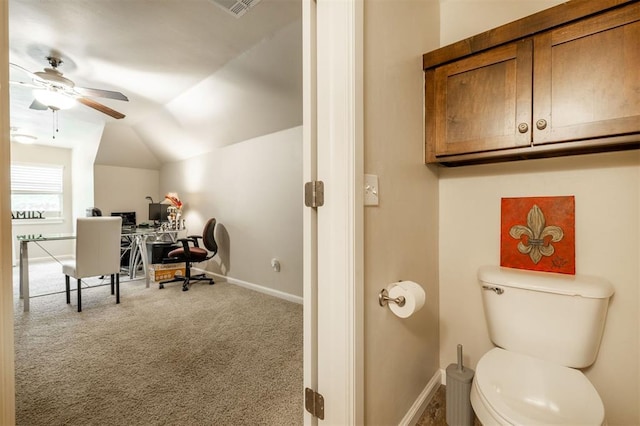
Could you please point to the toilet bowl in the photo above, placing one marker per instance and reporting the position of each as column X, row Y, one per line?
column 515, row 389
column 544, row 326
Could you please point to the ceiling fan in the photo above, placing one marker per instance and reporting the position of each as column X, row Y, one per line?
column 53, row 91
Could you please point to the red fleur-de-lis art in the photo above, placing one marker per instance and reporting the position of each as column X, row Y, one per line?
column 536, row 238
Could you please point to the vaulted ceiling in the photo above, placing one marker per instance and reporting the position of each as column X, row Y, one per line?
column 197, row 77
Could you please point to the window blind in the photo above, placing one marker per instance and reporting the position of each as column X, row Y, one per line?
column 36, row 179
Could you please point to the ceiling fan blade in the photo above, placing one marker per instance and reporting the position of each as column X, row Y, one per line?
column 27, row 85
column 38, row 105
column 99, row 107
column 84, row 91
column 29, row 73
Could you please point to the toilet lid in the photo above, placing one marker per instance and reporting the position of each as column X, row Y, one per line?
column 529, row 391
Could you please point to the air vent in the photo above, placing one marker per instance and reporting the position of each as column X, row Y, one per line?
column 236, row 8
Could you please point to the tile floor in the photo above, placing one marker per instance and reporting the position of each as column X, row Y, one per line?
column 436, row 412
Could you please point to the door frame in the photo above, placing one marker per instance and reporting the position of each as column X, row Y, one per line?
column 7, row 369
column 309, row 215
column 333, row 140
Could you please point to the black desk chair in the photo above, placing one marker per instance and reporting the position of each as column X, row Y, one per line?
column 191, row 252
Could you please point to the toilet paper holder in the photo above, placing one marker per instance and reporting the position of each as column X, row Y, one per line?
column 384, row 299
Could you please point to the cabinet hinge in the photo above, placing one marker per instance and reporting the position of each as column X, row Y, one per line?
column 314, row 403
column 314, row 194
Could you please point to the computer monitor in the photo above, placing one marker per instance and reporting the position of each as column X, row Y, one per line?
column 158, row 212
column 128, row 218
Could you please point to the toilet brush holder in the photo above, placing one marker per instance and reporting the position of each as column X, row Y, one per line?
column 459, row 411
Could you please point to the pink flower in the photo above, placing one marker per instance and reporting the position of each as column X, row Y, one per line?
column 174, row 200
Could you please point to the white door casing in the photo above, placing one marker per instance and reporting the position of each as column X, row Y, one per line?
column 309, row 173
column 336, row 120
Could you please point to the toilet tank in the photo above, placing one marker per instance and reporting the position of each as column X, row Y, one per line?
column 556, row 317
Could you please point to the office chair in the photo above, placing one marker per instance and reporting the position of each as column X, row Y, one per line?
column 94, row 211
column 97, row 253
column 191, row 252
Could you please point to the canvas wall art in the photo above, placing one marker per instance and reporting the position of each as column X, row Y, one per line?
column 538, row 234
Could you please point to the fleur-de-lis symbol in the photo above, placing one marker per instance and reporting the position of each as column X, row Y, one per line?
column 536, row 238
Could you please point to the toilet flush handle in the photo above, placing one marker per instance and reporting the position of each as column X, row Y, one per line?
column 497, row 290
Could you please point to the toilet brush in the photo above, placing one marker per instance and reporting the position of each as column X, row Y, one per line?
column 458, row 403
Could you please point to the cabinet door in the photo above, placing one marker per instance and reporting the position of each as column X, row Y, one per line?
column 483, row 102
column 587, row 78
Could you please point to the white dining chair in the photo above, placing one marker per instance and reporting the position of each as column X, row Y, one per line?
column 97, row 254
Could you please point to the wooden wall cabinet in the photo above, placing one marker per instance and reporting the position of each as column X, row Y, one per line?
column 567, row 89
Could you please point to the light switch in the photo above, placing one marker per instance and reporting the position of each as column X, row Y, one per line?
column 371, row 190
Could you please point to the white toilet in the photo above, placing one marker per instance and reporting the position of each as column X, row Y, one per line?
column 545, row 326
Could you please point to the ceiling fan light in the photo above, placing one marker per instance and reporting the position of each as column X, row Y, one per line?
column 54, row 99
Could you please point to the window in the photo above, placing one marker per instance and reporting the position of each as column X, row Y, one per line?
column 36, row 191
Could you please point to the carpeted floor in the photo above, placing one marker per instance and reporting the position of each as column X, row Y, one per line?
column 219, row 354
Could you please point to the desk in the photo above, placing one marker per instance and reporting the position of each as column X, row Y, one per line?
column 138, row 247
column 138, row 238
column 24, row 259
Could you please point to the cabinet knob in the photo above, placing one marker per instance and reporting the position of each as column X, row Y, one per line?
column 523, row 127
column 541, row 124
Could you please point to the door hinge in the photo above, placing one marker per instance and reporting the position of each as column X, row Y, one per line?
column 314, row 194
column 314, row 403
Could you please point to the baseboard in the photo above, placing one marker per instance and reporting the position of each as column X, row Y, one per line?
column 425, row 397
column 58, row 257
column 254, row 287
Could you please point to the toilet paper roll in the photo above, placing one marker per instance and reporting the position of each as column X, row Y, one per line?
column 413, row 295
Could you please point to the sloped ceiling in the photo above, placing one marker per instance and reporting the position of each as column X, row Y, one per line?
column 196, row 77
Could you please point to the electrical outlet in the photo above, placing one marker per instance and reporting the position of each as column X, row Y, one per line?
column 371, row 192
column 275, row 264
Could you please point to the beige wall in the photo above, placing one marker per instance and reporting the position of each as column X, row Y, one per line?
column 82, row 159
column 606, row 187
column 464, row 18
column 400, row 235
column 254, row 189
column 123, row 189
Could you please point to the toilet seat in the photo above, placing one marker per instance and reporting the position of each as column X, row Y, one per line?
column 518, row 389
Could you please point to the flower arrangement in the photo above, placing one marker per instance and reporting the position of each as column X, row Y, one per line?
column 172, row 197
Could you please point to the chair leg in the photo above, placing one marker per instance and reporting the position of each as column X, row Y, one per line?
column 187, row 277
column 178, row 278
column 67, row 288
column 175, row 279
column 200, row 277
column 117, row 287
column 112, row 292
column 79, row 296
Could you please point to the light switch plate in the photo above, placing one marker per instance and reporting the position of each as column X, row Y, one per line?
column 371, row 192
